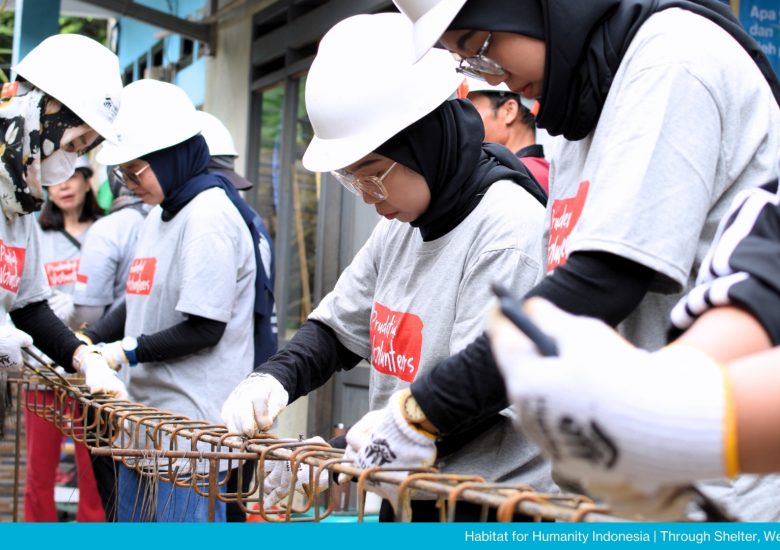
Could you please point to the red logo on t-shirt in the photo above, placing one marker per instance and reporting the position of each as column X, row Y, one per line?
column 565, row 214
column 61, row 273
column 141, row 276
column 81, row 282
column 11, row 267
column 396, row 342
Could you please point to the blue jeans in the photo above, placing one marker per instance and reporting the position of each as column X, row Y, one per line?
column 144, row 499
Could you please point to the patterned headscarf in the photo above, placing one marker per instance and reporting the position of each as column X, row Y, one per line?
column 20, row 159
column 28, row 136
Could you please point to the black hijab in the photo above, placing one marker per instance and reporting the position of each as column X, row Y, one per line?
column 446, row 148
column 585, row 43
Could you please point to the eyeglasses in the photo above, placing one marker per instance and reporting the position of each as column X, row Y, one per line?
column 370, row 185
column 123, row 176
column 478, row 65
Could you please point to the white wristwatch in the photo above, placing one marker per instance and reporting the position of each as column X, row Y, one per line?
column 130, row 346
column 411, row 410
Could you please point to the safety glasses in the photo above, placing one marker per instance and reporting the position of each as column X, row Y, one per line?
column 479, row 64
column 125, row 176
column 370, row 185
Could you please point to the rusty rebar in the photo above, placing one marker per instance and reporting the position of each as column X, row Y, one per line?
column 144, row 438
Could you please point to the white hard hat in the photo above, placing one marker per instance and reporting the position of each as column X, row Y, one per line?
column 477, row 85
column 83, row 163
column 217, row 136
column 363, row 88
column 155, row 115
column 80, row 73
column 431, row 18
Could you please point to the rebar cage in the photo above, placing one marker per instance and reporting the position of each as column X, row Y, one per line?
column 191, row 453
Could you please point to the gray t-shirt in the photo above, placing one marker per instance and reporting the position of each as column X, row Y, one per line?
column 685, row 127
column 409, row 304
column 106, row 255
column 22, row 280
column 689, row 122
column 61, row 258
column 201, row 263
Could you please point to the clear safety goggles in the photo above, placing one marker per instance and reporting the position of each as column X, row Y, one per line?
column 124, row 176
column 359, row 185
column 479, row 64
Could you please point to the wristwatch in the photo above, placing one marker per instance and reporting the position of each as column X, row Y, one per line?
column 412, row 412
column 130, row 346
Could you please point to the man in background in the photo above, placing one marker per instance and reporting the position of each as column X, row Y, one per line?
column 509, row 120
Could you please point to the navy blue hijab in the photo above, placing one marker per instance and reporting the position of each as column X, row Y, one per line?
column 183, row 174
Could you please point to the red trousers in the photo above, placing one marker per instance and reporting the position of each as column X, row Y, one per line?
column 44, row 443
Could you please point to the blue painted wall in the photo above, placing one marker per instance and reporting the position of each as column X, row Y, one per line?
column 33, row 21
column 137, row 39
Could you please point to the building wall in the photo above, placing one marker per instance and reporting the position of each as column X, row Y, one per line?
column 136, row 41
column 216, row 83
column 226, row 87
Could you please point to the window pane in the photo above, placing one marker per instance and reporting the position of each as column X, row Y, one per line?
column 305, row 194
column 266, row 189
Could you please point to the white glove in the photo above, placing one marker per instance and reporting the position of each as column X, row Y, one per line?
column 12, row 340
column 61, row 303
column 114, row 355
column 613, row 415
column 99, row 375
column 278, row 474
column 385, row 438
column 253, row 405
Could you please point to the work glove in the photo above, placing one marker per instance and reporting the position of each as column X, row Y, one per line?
column 253, row 405
column 614, row 416
column 278, row 475
column 12, row 340
column 98, row 374
column 114, row 355
column 384, row 438
column 61, row 303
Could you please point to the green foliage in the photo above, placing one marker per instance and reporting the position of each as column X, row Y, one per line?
column 88, row 26
column 6, row 43
column 272, row 116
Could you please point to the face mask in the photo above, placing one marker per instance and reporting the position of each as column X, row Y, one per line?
column 57, row 167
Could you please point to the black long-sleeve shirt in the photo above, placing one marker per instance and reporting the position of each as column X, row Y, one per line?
column 312, row 356
column 49, row 334
column 190, row 336
column 468, row 387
